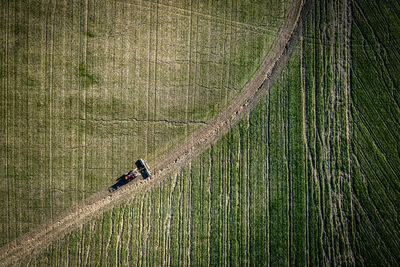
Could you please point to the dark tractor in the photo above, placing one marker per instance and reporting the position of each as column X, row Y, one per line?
column 142, row 169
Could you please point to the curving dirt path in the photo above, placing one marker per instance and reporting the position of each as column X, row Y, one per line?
column 32, row 243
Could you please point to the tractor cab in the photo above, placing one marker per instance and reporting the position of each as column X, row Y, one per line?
column 143, row 168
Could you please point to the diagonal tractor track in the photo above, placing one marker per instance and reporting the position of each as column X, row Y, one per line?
column 35, row 241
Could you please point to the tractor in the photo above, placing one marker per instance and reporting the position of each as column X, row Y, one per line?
column 142, row 169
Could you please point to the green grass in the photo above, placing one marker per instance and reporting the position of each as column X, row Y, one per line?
column 89, row 87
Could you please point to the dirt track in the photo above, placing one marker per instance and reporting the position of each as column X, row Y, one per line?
column 35, row 241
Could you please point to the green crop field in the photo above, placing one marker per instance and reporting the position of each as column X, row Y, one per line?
column 88, row 87
column 309, row 177
column 376, row 131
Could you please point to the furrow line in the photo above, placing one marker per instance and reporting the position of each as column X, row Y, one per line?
column 305, row 138
column 344, row 69
column 209, row 209
column 6, row 29
column 347, row 81
column 51, row 84
column 130, row 230
column 268, row 151
column 155, row 76
column 329, row 69
column 189, row 67
column 148, row 84
column 28, row 98
column 189, row 223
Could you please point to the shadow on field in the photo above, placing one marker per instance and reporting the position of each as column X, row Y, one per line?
column 119, row 182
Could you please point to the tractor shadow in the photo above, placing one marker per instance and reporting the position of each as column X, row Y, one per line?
column 142, row 169
column 121, row 181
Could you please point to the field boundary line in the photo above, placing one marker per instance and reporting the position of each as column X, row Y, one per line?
column 32, row 243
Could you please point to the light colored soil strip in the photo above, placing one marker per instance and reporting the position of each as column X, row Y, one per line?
column 347, row 33
column 35, row 241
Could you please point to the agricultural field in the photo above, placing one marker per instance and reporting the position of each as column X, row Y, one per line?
column 263, row 194
column 88, row 87
column 375, row 93
column 216, row 209
column 309, row 177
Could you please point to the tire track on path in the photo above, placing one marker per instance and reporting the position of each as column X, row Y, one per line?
column 37, row 240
